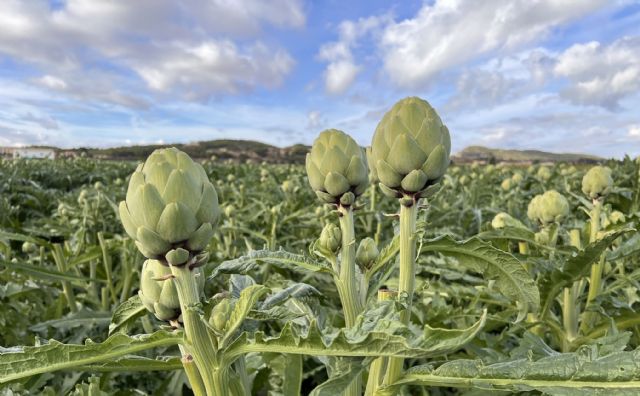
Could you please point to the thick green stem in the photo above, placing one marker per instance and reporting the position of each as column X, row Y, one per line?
column 198, row 343
column 195, row 380
column 61, row 263
column 408, row 217
column 596, row 269
column 379, row 366
column 347, row 283
column 570, row 311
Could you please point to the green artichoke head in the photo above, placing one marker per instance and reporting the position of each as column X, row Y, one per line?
column 506, row 184
column 597, row 182
column 330, row 238
column 158, row 292
column 170, row 204
column 544, row 173
column 502, row 220
column 220, row 315
column 367, row 253
column 410, row 149
column 337, row 168
column 550, row 207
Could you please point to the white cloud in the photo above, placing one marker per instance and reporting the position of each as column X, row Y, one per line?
column 155, row 39
column 342, row 69
column 214, row 67
column 634, row 131
column 601, row 74
column 450, row 33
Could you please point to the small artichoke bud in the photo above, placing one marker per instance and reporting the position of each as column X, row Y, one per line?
column 330, row 238
column 506, row 184
column 170, row 204
column 29, row 247
column 542, row 237
column 517, row 178
column 231, row 177
column 597, row 182
column 548, row 208
column 98, row 186
column 229, row 210
column 410, row 148
column 367, row 253
column 220, row 315
column 543, row 173
column 617, row 217
column 288, row 186
column 336, row 166
column 158, row 292
column 502, row 220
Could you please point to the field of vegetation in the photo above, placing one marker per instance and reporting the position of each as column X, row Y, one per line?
column 505, row 294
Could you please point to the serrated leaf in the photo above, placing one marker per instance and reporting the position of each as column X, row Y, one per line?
column 39, row 272
column 136, row 363
column 126, row 313
column 338, row 384
column 296, row 290
column 511, row 278
column 248, row 298
column 574, row 268
column 310, row 340
column 568, row 374
column 83, row 318
column 23, row 362
column 282, row 259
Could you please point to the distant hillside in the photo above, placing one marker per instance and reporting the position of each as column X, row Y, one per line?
column 479, row 153
column 237, row 150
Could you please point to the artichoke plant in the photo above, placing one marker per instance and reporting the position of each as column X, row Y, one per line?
column 548, row 208
column 337, row 168
column 410, row 149
column 597, row 182
column 158, row 293
column 367, row 253
column 170, row 205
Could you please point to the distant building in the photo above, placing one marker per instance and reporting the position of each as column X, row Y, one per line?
column 28, row 152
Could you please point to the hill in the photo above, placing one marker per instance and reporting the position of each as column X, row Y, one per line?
column 485, row 154
column 236, row 150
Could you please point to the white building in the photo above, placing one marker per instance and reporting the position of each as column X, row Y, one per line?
column 28, row 152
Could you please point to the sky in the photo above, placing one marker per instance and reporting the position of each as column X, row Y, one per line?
column 554, row 75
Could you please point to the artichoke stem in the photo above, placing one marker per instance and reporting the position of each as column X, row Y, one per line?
column 377, row 369
column 346, row 284
column 197, row 342
column 195, row 380
column 596, row 269
column 408, row 217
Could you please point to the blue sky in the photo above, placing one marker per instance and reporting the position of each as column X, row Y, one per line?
column 556, row 75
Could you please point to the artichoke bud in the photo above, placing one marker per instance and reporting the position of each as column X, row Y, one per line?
column 229, row 210
column 506, row 184
column 411, row 147
column 542, row 237
column 220, row 315
column 336, row 165
column 617, row 217
column 597, row 182
column 330, row 238
column 550, row 207
column 367, row 253
column 287, row 186
column 517, row 178
column 544, row 173
column 29, row 247
column 502, row 220
column 170, row 204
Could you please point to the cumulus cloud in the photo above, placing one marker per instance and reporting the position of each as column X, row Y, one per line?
column 600, row 74
column 450, row 33
column 155, row 39
column 342, row 69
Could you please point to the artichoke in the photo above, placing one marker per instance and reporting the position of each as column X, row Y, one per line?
column 502, row 220
column 597, row 182
column 220, row 315
column 170, row 204
column 506, row 184
column 410, row 148
column 158, row 292
column 330, row 238
column 548, row 208
column 367, row 253
column 337, row 168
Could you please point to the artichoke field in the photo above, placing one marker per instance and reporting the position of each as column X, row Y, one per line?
column 182, row 276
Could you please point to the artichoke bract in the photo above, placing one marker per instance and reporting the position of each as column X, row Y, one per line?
column 170, row 207
column 158, row 293
column 502, row 220
column 597, row 182
column 337, row 168
column 548, row 208
column 410, row 148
